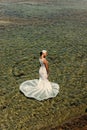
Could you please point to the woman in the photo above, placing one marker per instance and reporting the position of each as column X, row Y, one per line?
column 40, row 89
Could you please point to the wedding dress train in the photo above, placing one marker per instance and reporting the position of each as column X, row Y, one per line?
column 41, row 88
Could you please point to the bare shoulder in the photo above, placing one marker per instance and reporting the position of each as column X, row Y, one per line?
column 45, row 61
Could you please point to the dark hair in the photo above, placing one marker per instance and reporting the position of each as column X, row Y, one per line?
column 41, row 53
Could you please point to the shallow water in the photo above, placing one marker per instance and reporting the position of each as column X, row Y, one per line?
column 63, row 34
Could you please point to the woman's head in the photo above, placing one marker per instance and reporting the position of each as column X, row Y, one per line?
column 44, row 53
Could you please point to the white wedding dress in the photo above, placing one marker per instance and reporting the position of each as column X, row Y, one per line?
column 41, row 88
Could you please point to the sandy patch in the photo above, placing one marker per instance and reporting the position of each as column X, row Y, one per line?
column 5, row 22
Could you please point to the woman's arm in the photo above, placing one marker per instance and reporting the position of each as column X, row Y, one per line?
column 46, row 65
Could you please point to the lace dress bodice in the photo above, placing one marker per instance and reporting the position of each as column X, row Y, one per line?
column 42, row 71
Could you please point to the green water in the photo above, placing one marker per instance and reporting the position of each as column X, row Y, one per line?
column 60, row 28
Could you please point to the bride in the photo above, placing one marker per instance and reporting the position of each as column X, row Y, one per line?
column 41, row 88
